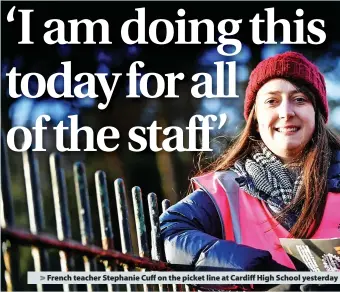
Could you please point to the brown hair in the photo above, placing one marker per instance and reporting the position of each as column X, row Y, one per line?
column 314, row 163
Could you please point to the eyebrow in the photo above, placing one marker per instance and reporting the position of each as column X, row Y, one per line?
column 278, row 92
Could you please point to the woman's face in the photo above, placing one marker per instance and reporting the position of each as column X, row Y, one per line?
column 286, row 118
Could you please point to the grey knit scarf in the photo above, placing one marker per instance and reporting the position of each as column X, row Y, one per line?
column 263, row 176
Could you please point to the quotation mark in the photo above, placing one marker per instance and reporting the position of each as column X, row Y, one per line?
column 223, row 119
column 10, row 15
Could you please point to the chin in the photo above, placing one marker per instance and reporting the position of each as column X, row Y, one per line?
column 291, row 144
column 290, row 150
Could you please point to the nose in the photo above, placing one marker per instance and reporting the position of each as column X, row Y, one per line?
column 286, row 110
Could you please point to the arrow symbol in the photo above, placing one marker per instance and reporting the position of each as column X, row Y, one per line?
column 42, row 278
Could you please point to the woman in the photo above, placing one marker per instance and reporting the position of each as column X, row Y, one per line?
column 280, row 179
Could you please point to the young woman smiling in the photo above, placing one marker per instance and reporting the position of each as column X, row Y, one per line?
column 280, row 179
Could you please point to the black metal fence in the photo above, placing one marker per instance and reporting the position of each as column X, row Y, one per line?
column 93, row 256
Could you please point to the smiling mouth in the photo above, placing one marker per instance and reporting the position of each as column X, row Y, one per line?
column 287, row 130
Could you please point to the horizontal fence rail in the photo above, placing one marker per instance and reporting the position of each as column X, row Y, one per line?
column 94, row 257
column 47, row 241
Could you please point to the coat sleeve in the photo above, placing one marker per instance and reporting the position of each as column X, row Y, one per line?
column 333, row 177
column 191, row 232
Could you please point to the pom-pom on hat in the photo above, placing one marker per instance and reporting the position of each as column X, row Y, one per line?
column 291, row 65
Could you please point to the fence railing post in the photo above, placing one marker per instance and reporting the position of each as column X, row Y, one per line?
column 142, row 236
column 62, row 214
column 85, row 221
column 35, row 209
column 105, row 220
column 165, row 205
column 157, row 252
column 123, row 220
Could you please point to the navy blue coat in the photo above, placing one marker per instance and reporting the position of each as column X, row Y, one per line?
column 191, row 231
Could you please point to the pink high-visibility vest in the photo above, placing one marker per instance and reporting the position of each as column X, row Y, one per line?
column 248, row 221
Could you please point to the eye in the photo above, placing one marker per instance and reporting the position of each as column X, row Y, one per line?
column 300, row 99
column 271, row 101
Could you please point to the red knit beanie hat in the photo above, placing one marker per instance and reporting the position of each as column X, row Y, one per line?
column 291, row 65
